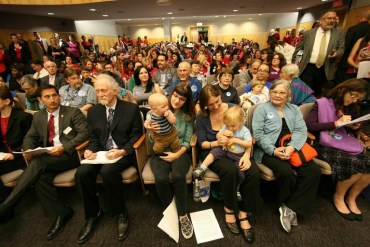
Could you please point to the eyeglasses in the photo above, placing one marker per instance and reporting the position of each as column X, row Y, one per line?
column 355, row 96
column 264, row 71
column 180, row 98
column 278, row 93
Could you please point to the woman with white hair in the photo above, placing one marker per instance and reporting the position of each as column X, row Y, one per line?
column 300, row 92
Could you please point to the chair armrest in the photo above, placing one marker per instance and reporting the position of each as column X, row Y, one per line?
column 193, row 144
column 193, row 140
column 82, row 146
column 139, row 141
column 311, row 137
column 141, row 153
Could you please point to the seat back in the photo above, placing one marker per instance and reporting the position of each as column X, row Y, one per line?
column 22, row 99
column 305, row 109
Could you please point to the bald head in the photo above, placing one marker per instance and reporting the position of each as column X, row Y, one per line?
column 183, row 71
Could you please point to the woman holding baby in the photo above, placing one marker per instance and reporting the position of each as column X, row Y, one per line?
column 176, row 163
column 208, row 124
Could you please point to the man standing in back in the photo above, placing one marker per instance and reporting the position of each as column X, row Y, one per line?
column 322, row 47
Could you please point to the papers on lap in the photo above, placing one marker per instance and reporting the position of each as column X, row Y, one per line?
column 100, row 159
column 2, row 156
column 357, row 120
column 38, row 150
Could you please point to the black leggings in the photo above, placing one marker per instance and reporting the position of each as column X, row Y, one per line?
column 229, row 179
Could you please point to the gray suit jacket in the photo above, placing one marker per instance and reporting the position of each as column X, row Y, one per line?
column 59, row 80
column 336, row 43
column 37, row 48
column 37, row 135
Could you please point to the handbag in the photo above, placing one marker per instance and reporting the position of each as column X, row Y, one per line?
column 306, row 154
column 337, row 138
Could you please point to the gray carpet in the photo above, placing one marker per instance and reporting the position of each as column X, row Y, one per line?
column 324, row 227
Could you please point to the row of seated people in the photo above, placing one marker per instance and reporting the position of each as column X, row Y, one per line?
column 114, row 125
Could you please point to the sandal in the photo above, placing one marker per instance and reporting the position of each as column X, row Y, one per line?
column 233, row 227
column 247, row 234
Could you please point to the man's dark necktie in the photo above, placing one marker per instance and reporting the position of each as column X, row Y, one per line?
column 109, row 142
column 51, row 130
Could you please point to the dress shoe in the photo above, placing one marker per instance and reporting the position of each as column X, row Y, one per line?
column 358, row 217
column 349, row 216
column 6, row 213
column 88, row 229
column 122, row 226
column 247, row 234
column 59, row 224
column 233, row 227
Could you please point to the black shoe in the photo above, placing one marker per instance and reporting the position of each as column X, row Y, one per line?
column 6, row 213
column 349, row 216
column 88, row 229
column 59, row 224
column 358, row 217
column 247, row 234
column 122, row 226
column 233, row 227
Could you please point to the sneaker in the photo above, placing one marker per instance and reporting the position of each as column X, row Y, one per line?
column 196, row 194
column 295, row 220
column 286, row 217
column 186, row 227
column 199, row 172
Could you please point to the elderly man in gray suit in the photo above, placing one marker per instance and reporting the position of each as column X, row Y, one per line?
column 61, row 128
column 165, row 75
column 321, row 47
column 54, row 78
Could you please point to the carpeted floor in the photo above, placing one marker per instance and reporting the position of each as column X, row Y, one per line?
column 324, row 227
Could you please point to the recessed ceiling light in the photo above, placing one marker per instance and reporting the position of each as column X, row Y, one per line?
column 235, row 10
column 324, row 0
column 93, row 10
column 224, row 16
column 250, row 18
column 299, row 8
column 169, row 13
column 259, row 14
column 216, row 16
column 105, row 15
column 162, row 18
column 172, row 18
column 50, row 13
column 129, row 19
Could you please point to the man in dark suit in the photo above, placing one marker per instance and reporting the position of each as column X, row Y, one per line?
column 184, row 39
column 62, row 129
column 322, row 47
column 353, row 34
column 165, row 75
column 114, row 126
column 54, row 78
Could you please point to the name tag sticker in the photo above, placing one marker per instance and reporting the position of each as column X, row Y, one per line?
column 270, row 115
column 67, row 130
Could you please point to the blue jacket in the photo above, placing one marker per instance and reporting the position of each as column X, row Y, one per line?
column 194, row 84
column 267, row 125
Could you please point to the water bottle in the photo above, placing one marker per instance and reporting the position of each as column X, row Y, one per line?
column 196, row 188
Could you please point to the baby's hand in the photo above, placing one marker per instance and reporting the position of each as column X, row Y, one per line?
column 166, row 114
column 228, row 133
